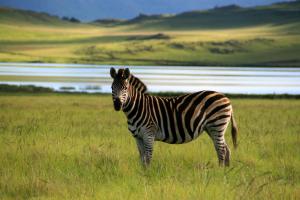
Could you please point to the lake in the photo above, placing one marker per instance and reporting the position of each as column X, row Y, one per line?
column 96, row 78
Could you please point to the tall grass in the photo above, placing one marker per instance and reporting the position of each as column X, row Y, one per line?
column 57, row 146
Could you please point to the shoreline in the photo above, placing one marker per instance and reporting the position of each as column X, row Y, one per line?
column 6, row 89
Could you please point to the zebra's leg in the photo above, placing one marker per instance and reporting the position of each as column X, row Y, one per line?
column 227, row 156
column 221, row 147
column 145, row 147
column 141, row 149
column 148, row 141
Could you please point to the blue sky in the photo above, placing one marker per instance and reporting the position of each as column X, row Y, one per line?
column 88, row 10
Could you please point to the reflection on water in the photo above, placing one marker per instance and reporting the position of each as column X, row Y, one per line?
column 95, row 78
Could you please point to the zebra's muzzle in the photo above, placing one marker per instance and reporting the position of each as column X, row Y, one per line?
column 117, row 104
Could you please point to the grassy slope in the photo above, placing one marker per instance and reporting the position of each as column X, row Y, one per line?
column 76, row 146
column 266, row 36
column 224, row 18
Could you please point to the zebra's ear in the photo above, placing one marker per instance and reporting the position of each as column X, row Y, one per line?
column 112, row 72
column 126, row 73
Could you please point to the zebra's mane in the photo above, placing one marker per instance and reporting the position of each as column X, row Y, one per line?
column 137, row 84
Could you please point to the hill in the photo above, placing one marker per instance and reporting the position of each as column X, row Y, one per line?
column 95, row 9
column 230, row 35
column 231, row 16
column 107, row 22
column 15, row 16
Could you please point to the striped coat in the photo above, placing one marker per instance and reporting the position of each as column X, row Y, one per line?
column 177, row 120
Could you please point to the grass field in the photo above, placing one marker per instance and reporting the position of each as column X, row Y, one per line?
column 56, row 146
column 262, row 36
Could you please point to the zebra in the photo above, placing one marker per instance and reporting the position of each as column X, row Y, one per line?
column 137, row 84
column 174, row 120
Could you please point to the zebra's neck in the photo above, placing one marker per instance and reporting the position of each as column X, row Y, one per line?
column 137, row 84
column 134, row 102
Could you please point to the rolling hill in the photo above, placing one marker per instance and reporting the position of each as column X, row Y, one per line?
column 230, row 35
column 88, row 10
column 231, row 16
column 14, row 16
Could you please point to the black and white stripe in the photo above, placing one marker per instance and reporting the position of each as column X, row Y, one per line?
column 175, row 120
column 137, row 84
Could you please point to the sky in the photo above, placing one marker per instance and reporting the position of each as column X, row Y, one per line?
column 88, row 10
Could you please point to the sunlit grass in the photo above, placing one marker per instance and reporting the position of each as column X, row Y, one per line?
column 121, row 45
column 75, row 146
column 260, row 36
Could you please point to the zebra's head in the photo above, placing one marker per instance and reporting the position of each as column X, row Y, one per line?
column 119, row 87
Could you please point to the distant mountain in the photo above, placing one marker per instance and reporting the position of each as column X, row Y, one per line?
column 108, row 21
column 15, row 16
column 229, row 16
column 89, row 10
column 143, row 17
column 223, row 17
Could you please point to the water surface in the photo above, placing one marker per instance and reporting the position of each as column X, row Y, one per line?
column 96, row 78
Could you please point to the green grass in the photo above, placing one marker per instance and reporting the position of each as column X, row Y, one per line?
column 57, row 146
column 261, row 36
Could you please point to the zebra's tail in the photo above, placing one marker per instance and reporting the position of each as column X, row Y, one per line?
column 234, row 131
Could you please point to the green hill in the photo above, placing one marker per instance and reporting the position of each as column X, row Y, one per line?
column 15, row 16
column 231, row 16
column 230, row 35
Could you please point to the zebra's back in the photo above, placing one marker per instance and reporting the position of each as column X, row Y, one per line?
column 182, row 119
